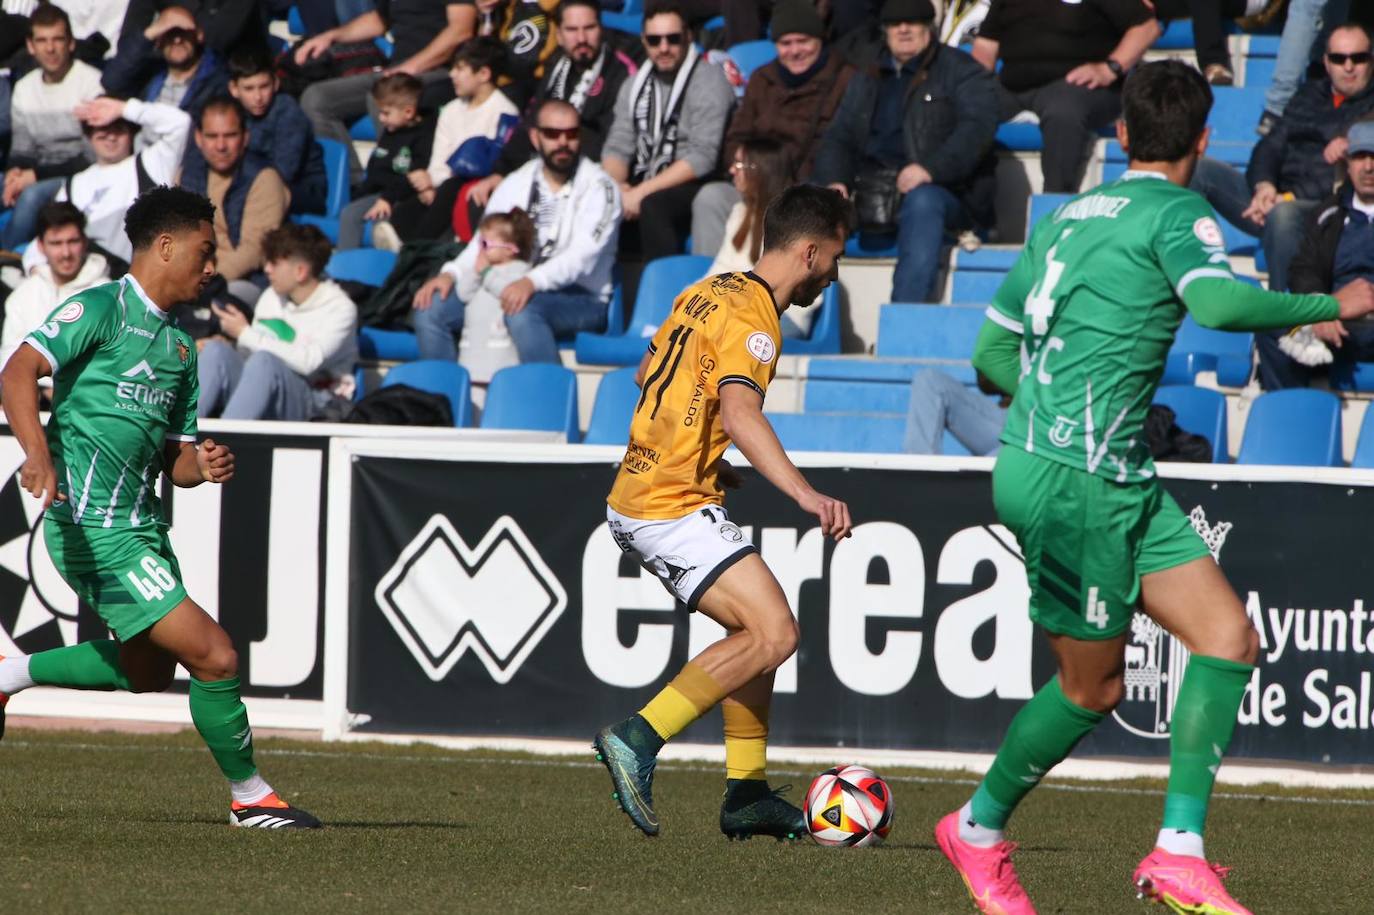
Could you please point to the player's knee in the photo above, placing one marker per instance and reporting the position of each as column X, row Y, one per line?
column 779, row 643
column 218, row 663
column 1099, row 696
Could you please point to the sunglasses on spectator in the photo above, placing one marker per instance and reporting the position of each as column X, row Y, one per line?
column 672, row 38
column 559, row 133
column 739, row 165
column 1359, row 57
column 498, row 245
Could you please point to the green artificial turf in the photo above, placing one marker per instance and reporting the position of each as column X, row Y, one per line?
column 121, row 823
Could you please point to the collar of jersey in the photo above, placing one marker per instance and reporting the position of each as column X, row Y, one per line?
column 143, row 297
column 1142, row 173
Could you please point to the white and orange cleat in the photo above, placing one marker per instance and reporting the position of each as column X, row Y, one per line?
column 987, row 872
column 270, row 813
column 1185, row 884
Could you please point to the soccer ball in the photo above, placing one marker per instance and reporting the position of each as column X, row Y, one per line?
column 849, row 806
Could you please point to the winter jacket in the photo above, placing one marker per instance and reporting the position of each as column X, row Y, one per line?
column 951, row 117
column 1314, row 268
column 284, row 137
column 397, row 154
column 1290, row 156
column 798, row 117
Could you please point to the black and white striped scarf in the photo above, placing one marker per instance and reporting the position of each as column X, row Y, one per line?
column 656, row 123
column 562, row 70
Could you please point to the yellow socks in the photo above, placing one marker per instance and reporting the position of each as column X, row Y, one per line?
column 689, row 696
column 746, row 740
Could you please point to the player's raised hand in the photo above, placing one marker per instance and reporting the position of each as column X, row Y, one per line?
column 833, row 514
column 39, row 477
column 1356, row 298
column 216, row 461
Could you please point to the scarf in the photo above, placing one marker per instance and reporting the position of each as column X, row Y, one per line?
column 562, row 69
column 796, row 80
column 656, row 123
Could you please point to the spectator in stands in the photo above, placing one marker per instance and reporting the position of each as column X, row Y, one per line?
column 791, row 99
column 1308, row 21
column 167, row 62
column 505, row 248
column 586, row 73
column 426, row 33
column 278, row 129
column 1066, row 63
column 468, row 135
column 525, row 28
column 940, row 404
column 298, row 352
column 105, row 190
column 1294, row 166
column 1209, row 40
column 46, row 142
column 69, row 267
column 576, row 210
column 761, row 168
column 666, row 138
column 400, row 153
column 931, row 146
column 1337, row 248
column 249, row 196
column 227, row 26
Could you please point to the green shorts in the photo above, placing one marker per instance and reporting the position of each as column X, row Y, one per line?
column 1087, row 541
column 130, row 577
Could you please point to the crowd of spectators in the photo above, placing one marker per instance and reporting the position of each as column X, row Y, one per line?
column 577, row 153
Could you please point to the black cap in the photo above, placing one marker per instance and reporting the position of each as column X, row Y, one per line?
column 797, row 17
column 908, row 11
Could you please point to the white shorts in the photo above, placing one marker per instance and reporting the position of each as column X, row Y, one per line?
column 687, row 554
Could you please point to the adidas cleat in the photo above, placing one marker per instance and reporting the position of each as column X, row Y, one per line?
column 987, row 872
column 1185, row 884
column 270, row 813
column 751, row 809
column 632, row 777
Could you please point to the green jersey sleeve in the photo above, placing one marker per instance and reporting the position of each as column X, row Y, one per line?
column 74, row 328
column 1188, row 243
column 181, row 420
column 1008, row 308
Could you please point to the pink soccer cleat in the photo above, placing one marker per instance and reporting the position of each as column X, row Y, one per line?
column 1185, row 884
column 987, row 872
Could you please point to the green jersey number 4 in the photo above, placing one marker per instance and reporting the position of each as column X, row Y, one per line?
column 158, row 582
column 1040, row 308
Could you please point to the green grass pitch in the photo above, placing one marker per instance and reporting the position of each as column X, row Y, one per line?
column 133, row 823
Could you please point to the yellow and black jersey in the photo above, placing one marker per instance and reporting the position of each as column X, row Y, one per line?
column 722, row 330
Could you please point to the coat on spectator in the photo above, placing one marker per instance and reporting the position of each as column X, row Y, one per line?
column 1290, row 156
column 951, row 118
column 321, row 343
column 46, row 136
column 1323, row 263
column 796, row 117
column 459, row 122
column 397, row 153
column 248, row 204
column 284, row 137
column 39, row 295
column 129, row 74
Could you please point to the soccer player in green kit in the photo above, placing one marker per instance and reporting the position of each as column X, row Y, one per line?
column 1079, row 332
column 125, row 392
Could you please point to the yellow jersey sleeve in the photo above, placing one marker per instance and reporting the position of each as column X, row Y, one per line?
column 747, row 352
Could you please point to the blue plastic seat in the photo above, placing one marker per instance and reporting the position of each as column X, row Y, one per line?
column 535, row 395
column 1202, row 349
column 851, row 432
column 659, row 286
column 1019, row 137
column 974, row 287
column 294, row 22
column 1235, row 112
column 1200, row 411
column 988, row 257
column 1041, row 205
column 362, row 265
column 336, row 172
column 1298, row 426
column 1364, row 447
column 1259, row 71
column 750, row 55
column 824, row 339
column 861, row 246
column 440, row 377
column 628, row 22
column 616, row 395
column 928, row 331
column 363, row 129
column 388, row 345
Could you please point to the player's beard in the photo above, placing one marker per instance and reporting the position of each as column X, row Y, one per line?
column 807, row 291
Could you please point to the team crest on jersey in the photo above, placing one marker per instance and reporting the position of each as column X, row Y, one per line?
column 727, row 282
column 1061, row 433
column 72, row 312
column 1208, row 232
column 761, row 347
column 183, row 351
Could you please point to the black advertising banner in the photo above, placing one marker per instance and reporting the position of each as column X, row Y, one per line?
column 488, row 599
column 251, row 553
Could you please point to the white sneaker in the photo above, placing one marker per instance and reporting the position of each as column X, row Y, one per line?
column 384, row 236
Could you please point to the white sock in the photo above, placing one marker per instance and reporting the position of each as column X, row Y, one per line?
column 251, row 790
column 1180, row 842
column 974, row 834
column 14, row 674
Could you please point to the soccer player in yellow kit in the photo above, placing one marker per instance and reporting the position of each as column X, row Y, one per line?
column 702, row 386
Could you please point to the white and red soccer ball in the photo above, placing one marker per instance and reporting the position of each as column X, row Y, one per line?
column 848, row 807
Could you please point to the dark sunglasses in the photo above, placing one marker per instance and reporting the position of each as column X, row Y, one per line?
column 1359, row 57
column 559, row 133
column 673, row 38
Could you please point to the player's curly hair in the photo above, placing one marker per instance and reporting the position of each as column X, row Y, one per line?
column 165, row 209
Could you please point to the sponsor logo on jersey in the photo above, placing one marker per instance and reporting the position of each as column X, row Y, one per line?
column 70, row 313
column 497, row 599
column 1208, row 232
column 761, row 347
column 143, row 368
column 183, row 351
column 728, row 282
column 730, row 532
column 1156, row 660
column 1061, row 433
column 640, row 458
column 706, row 365
column 138, row 331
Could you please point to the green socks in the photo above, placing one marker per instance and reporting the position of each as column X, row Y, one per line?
column 1204, row 719
column 1041, row 735
column 90, row 665
column 222, row 721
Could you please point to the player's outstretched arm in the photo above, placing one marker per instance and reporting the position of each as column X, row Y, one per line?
column 190, row 466
column 741, row 413
column 1226, row 304
column 19, row 394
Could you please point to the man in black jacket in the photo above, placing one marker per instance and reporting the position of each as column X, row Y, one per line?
column 1294, row 166
column 1337, row 248
column 926, row 115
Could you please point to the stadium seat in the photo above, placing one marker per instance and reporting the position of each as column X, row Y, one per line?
column 862, row 246
column 362, row 265
column 852, row 432
column 377, row 343
column 336, row 171
column 1364, row 447
column 1200, row 411
column 1235, row 112
column 933, row 332
column 824, row 339
column 440, row 377
column 750, row 55
column 996, row 258
column 659, row 286
column 363, row 129
column 974, row 287
column 616, row 395
column 1201, row 349
column 1019, row 137
column 1259, row 71
column 628, row 22
column 535, row 395
column 1298, row 426
column 1042, row 205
